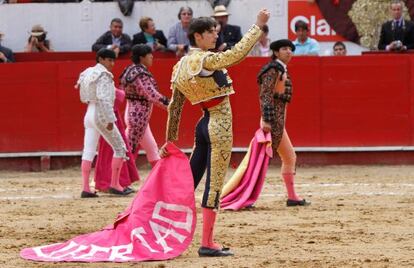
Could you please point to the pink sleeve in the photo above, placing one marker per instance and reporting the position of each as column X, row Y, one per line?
column 150, row 90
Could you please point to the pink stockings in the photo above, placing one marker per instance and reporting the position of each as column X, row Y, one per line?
column 149, row 145
column 288, row 156
column 116, row 166
column 86, row 167
column 209, row 219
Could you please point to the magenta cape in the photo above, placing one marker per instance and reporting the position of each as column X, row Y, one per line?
column 103, row 171
column 244, row 187
column 158, row 225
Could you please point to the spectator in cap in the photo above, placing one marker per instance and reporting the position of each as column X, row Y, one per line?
column 114, row 39
column 37, row 41
column 150, row 35
column 6, row 54
column 275, row 95
column 303, row 43
column 229, row 34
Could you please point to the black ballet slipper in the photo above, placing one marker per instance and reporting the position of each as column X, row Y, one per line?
column 85, row 194
column 129, row 190
column 212, row 252
column 294, row 203
column 118, row 192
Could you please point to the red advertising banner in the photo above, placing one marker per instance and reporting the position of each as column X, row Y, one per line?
column 310, row 13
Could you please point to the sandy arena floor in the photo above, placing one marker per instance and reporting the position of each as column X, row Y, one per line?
column 359, row 217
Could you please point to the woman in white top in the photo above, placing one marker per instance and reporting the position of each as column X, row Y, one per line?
column 262, row 48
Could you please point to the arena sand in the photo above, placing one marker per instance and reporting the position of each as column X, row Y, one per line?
column 359, row 217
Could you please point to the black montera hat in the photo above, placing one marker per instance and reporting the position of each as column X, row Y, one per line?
column 276, row 45
column 105, row 53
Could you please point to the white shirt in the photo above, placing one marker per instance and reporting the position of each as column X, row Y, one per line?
column 283, row 64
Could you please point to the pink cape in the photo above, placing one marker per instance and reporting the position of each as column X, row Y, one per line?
column 158, row 225
column 103, row 172
column 244, row 187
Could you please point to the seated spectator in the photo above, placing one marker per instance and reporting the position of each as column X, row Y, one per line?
column 215, row 3
column 397, row 34
column 6, row 55
column 178, row 34
column 150, row 35
column 229, row 34
column 303, row 43
column 114, row 39
column 37, row 41
column 262, row 48
column 339, row 49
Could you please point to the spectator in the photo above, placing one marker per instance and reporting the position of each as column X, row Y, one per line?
column 150, row 35
column 37, row 41
column 339, row 49
column 303, row 43
column 229, row 34
column 6, row 55
column 262, row 48
column 215, row 3
column 178, row 34
column 396, row 34
column 114, row 39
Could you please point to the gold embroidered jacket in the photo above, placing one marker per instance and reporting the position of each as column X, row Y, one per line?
column 201, row 76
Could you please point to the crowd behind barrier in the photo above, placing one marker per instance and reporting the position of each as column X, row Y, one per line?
column 75, row 56
column 396, row 34
column 116, row 39
column 212, row 2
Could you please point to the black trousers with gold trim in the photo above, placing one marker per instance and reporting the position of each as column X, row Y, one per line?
column 212, row 151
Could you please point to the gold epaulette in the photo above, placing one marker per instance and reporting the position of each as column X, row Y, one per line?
column 189, row 79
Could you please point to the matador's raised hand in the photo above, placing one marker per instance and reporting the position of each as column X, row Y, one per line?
column 262, row 17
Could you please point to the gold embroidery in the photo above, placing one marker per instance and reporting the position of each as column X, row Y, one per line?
column 191, row 78
column 221, row 138
column 197, row 88
column 174, row 114
column 216, row 61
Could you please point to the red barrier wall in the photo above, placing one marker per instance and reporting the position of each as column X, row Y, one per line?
column 338, row 101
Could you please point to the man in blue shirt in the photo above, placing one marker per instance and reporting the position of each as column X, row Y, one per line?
column 304, row 44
